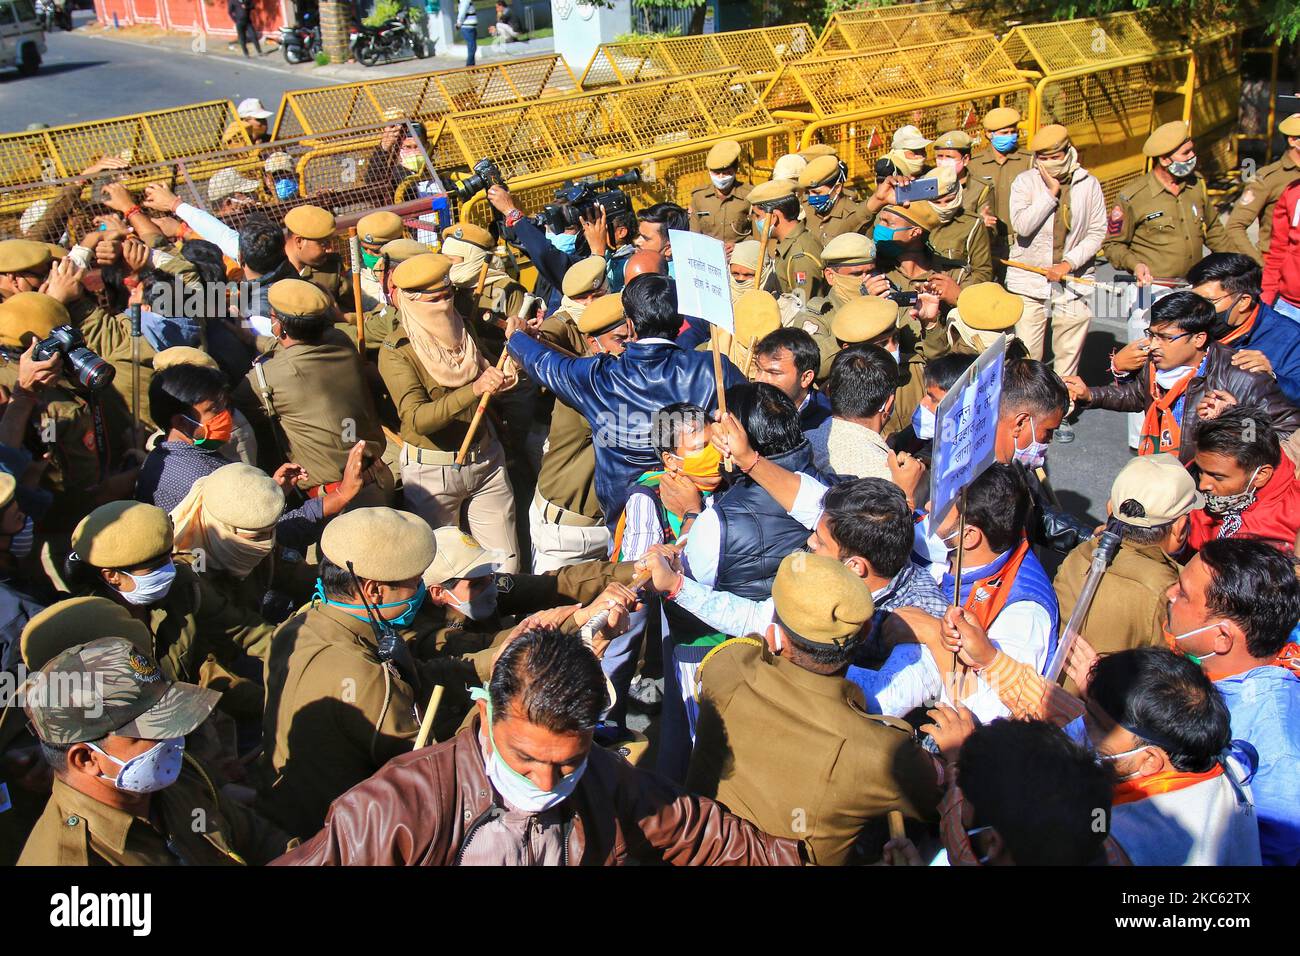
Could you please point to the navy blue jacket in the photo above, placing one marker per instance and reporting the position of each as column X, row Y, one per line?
column 551, row 263
column 815, row 412
column 1278, row 337
column 618, row 396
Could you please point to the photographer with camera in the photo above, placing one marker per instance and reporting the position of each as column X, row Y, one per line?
column 611, row 236
column 552, row 248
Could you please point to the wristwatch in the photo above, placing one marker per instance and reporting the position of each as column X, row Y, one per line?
column 690, row 516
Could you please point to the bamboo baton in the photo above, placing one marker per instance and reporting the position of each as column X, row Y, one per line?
column 749, row 356
column 426, row 725
column 896, row 829
column 354, row 251
column 470, row 432
column 762, row 260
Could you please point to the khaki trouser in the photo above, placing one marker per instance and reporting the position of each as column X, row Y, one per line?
column 557, row 546
column 436, row 492
column 1070, row 319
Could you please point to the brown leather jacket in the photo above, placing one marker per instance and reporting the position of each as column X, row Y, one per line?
column 420, row 808
column 1253, row 389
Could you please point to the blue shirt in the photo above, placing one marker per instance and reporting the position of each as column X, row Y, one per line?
column 1264, row 706
column 1278, row 337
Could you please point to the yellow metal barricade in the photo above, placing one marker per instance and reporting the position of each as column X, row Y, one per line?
column 426, row 96
column 62, row 151
column 757, row 53
column 886, row 28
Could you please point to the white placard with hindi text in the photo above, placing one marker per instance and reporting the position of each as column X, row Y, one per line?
column 703, row 289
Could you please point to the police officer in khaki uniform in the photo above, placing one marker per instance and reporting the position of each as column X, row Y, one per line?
column 472, row 250
column 309, row 397
column 24, row 266
column 312, row 249
column 983, row 313
column 337, row 709
column 436, row 372
column 1261, row 193
column 373, row 232
column 961, row 238
column 773, row 771
column 874, row 320
column 906, row 264
column 721, row 209
column 1161, row 223
column 996, row 166
column 952, row 150
column 847, row 261
column 383, row 317
column 125, row 792
column 774, row 209
column 830, row 209
column 565, row 518
column 68, row 421
column 584, row 282
column 124, row 553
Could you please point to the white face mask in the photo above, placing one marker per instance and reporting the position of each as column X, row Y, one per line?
column 1035, row 453
column 151, row 587
column 722, row 180
column 923, row 423
column 516, row 789
column 1198, row 658
column 893, row 353
column 481, row 606
column 1171, row 377
column 155, row 769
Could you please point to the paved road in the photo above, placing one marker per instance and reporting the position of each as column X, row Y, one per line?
column 85, row 77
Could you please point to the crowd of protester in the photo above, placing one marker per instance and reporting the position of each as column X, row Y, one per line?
column 467, row 566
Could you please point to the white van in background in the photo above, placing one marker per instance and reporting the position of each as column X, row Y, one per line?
column 22, row 41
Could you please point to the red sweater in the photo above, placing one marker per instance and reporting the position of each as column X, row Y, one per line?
column 1282, row 261
column 1274, row 516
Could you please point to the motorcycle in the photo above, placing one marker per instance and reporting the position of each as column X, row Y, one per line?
column 389, row 40
column 302, row 41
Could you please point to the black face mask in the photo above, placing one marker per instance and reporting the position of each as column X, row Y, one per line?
column 1222, row 326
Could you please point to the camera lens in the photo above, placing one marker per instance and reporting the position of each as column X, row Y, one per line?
column 91, row 370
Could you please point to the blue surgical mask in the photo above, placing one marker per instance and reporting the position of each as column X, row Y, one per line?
column 286, row 188
column 882, row 233
column 820, row 202
column 150, row 587
column 923, row 423
column 1005, row 142
column 403, row 620
column 566, row 242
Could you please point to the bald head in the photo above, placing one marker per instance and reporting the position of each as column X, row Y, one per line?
column 641, row 262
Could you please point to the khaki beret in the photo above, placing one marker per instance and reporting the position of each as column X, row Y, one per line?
column 377, row 228
column 23, row 255
column 584, row 277
column 602, row 315
column 1290, row 126
column 383, row 544
column 77, row 621
column 399, row 250
column 723, row 154
column 1049, row 139
column 426, row 271
column 820, row 170
column 1001, row 117
column 8, row 485
column 865, row 318
column 819, row 600
column 756, row 314
column 772, row 191
column 310, row 222
column 468, row 232
column 745, row 254
column 1166, row 138
column 987, row 307
column 30, row 315
column 918, row 214
column 954, row 139
column 123, row 534
column 298, row 297
column 242, row 496
column 815, row 150
column 183, row 355
column 849, row 249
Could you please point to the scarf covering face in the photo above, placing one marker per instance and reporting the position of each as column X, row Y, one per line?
column 222, row 547
column 1062, row 170
column 464, row 274
column 746, row 254
column 846, row 287
column 437, row 333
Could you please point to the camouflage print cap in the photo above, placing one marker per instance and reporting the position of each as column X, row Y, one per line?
column 108, row 686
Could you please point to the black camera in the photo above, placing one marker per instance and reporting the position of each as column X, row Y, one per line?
column 90, row 370
column 583, row 200
column 485, row 174
column 902, row 298
column 885, row 168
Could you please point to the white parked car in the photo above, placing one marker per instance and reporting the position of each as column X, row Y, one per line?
column 22, row 41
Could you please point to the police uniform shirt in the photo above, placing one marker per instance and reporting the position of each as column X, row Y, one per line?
column 798, row 264
column 1257, row 199
column 1149, row 224
column 722, row 217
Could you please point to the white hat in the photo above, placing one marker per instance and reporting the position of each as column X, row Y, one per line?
column 252, row 108
column 909, row 137
column 789, row 167
column 460, row 556
column 227, row 182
